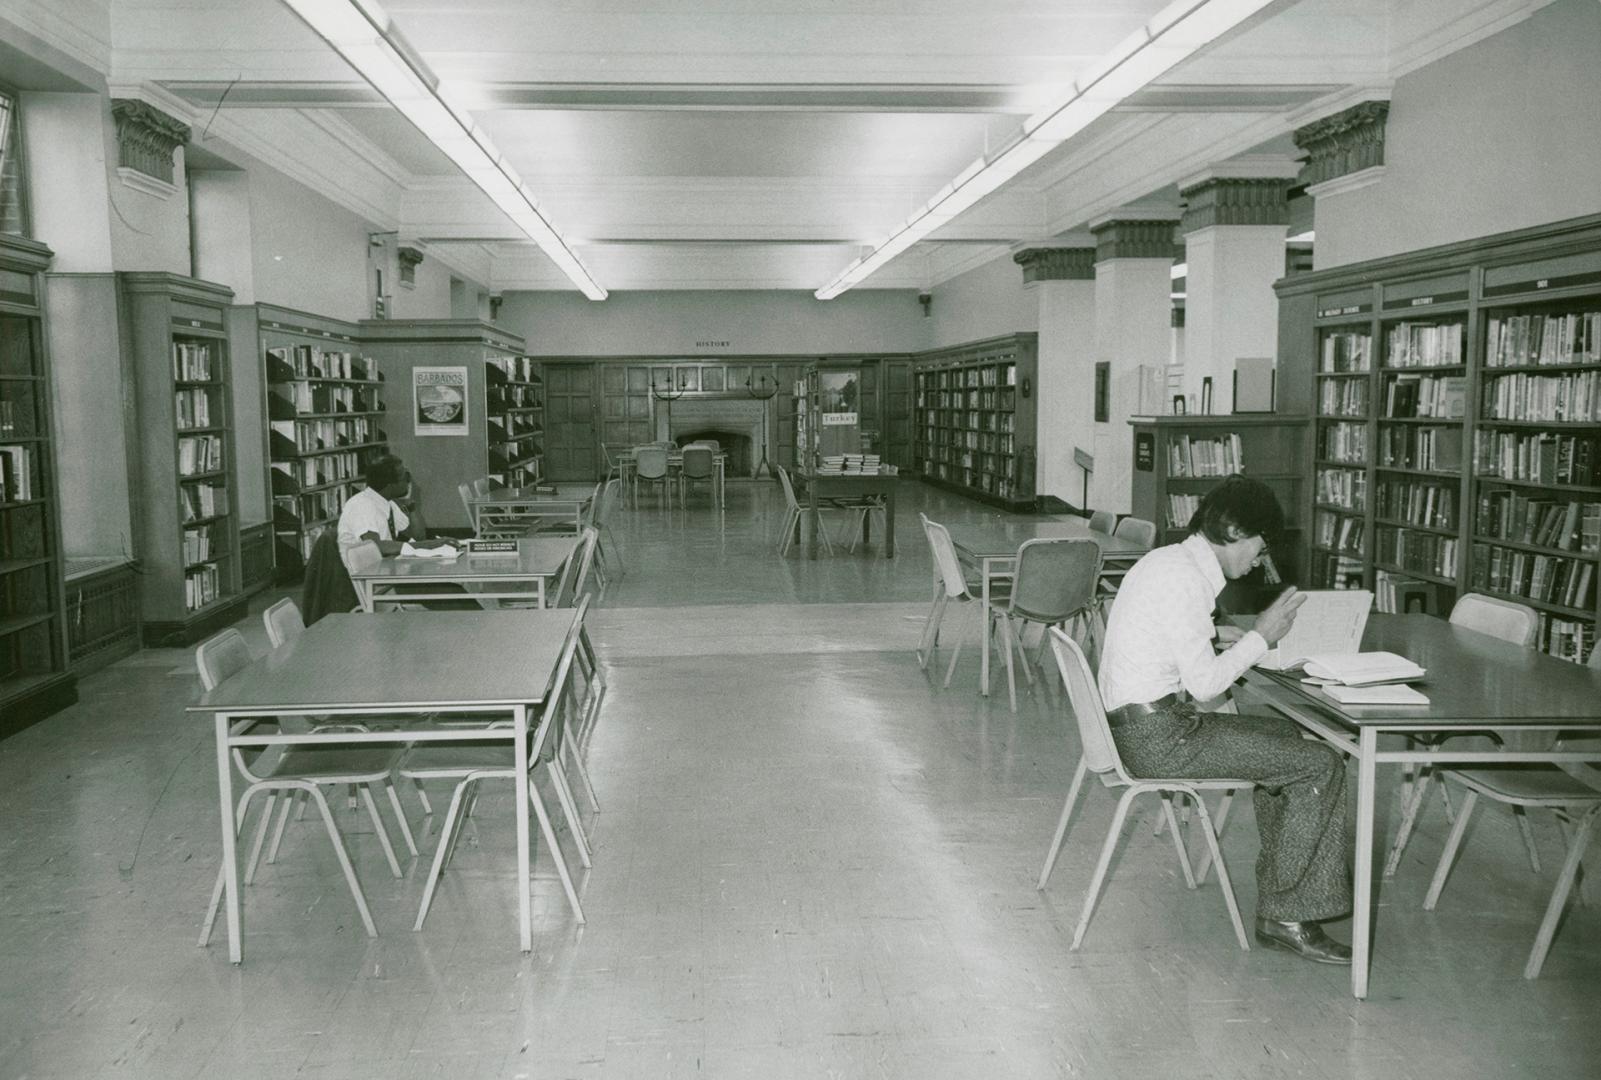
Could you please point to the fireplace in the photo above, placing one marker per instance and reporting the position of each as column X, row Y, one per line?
column 734, row 422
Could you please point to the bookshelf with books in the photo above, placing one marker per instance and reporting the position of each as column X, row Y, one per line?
column 1342, row 463
column 1484, row 433
column 974, row 419
column 515, row 405
column 187, row 503
column 34, row 676
column 325, row 422
column 1178, row 459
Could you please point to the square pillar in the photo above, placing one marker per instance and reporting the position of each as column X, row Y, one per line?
column 1062, row 280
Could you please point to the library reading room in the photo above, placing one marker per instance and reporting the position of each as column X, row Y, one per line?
column 799, row 539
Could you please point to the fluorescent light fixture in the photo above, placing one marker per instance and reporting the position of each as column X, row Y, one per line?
column 367, row 38
column 1173, row 35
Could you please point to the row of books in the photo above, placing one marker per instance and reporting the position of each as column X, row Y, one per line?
column 513, row 396
column 288, row 362
column 1346, row 351
column 202, row 500
column 1180, row 508
column 502, row 454
column 191, row 361
column 1553, row 579
column 1418, row 502
column 199, row 454
column 1573, row 396
column 315, row 397
column 201, row 586
column 1564, row 638
column 1573, row 338
column 983, row 375
column 1420, row 552
column 1337, row 571
column 1338, row 532
column 197, row 544
column 321, row 505
column 1201, row 455
column 16, row 473
column 1410, row 344
column 1504, row 514
column 318, row 469
column 998, row 485
column 193, row 407
column 1433, row 449
column 507, row 426
column 1443, row 396
column 1398, row 594
column 314, row 436
column 1343, row 397
column 1546, row 458
column 853, row 465
column 1344, row 441
column 1343, row 487
column 515, row 368
column 966, row 399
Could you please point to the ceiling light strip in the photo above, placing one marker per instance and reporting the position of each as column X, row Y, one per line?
column 368, row 39
column 1176, row 33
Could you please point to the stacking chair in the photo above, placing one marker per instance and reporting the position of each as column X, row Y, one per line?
column 1054, row 583
column 955, row 587
column 1103, row 521
column 601, row 519
column 614, row 467
column 795, row 513
column 699, row 467
column 650, row 467
column 857, row 514
column 468, row 497
column 468, row 763
column 1100, row 756
column 1512, row 622
column 1138, row 530
column 304, row 769
column 283, row 621
column 1572, row 792
column 482, row 486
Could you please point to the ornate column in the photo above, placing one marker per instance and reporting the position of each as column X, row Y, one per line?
column 146, row 138
column 1234, row 228
column 1134, row 252
column 1063, row 281
column 1345, row 157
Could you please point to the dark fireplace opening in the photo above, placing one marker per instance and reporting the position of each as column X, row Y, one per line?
column 735, row 444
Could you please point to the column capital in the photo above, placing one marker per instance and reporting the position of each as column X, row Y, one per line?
column 1346, row 142
column 1056, row 264
column 146, row 137
column 1235, row 201
column 1121, row 238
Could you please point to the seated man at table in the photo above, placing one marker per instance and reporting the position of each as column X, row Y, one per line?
column 1159, row 660
column 375, row 514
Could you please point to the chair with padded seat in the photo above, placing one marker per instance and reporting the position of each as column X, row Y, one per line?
column 302, row 769
column 1054, row 583
column 651, row 469
column 699, row 466
column 1103, row 521
column 1099, row 755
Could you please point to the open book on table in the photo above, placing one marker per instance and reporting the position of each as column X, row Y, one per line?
column 1329, row 623
column 1362, row 668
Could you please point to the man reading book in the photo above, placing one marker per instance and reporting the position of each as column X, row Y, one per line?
column 375, row 513
column 1159, row 660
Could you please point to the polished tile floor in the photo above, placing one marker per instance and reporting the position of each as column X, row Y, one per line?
column 811, row 861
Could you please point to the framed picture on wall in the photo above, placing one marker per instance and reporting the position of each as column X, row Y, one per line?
column 439, row 400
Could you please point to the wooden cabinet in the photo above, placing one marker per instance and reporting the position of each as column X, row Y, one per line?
column 974, row 419
column 186, row 502
column 34, row 680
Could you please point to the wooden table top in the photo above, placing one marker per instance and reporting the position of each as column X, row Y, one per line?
column 1472, row 677
column 1002, row 537
column 538, row 556
column 427, row 659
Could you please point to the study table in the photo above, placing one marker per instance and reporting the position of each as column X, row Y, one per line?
column 508, row 513
column 993, row 547
column 1475, row 683
column 486, row 577
column 499, row 663
column 675, row 464
column 855, row 487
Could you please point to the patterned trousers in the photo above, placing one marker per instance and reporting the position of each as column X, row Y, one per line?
column 1303, row 872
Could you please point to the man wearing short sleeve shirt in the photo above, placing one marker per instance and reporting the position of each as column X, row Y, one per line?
column 1159, row 660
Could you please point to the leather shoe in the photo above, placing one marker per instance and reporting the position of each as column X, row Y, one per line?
column 1305, row 939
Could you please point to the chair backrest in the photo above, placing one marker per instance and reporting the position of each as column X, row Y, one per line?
column 607, row 456
column 789, row 489
column 650, row 462
column 553, row 714
column 283, row 621
column 945, row 560
column 220, row 656
column 575, row 573
column 1138, row 530
column 1516, row 623
column 1102, row 521
column 698, row 462
column 712, row 444
column 591, row 516
column 1055, row 578
column 483, row 486
column 1100, row 752
column 465, row 490
column 608, row 500
column 363, row 555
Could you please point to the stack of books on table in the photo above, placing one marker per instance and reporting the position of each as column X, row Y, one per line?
column 831, row 465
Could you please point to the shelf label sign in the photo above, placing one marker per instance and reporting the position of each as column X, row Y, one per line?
column 1144, row 451
column 439, row 400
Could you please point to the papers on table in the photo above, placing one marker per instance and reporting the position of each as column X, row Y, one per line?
column 1330, row 621
column 409, row 550
column 1389, row 694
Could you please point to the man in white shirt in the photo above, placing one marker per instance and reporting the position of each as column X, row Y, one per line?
column 1159, row 660
column 372, row 513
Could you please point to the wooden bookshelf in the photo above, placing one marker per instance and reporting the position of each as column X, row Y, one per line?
column 1480, row 435
column 515, row 431
column 187, row 502
column 34, row 677
column 974, row 419
column 1178, row 459
column 325, row 422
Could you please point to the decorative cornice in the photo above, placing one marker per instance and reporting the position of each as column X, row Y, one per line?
column 1122, row 239
column 1346, row 142
column 1228, row 201
column 1056, row 264
column 150, row 185
column 1342, row 185
column 409, row 256
column 146, row 137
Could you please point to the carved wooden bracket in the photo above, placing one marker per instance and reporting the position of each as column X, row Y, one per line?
column 146, row 137
column 1344, row 143
column 1235, row 201
column 1056, row 264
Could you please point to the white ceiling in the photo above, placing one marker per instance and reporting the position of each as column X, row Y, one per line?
column 764, row 143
